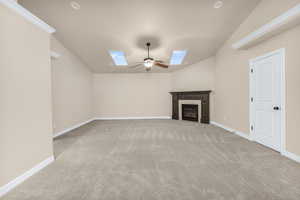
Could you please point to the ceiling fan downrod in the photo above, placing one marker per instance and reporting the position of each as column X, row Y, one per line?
column 148, row 46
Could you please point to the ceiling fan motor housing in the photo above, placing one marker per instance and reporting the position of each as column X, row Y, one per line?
column 148, row 59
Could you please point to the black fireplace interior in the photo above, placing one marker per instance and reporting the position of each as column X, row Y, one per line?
column 190, row 112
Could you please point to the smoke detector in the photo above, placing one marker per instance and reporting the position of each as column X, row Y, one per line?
column 75, row 5
column 218, row 4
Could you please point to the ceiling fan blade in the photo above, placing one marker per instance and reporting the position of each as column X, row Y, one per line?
column 161, row 65
column 135, row 66
column 160, row 61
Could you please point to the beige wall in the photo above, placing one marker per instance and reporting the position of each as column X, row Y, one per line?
column 72, row 89
column 199, row 76
column 232, row 82
column 25, row 91
column 147, row 94
column 132, row 95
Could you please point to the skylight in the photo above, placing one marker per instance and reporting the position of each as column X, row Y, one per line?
column 118, row 57
column 178, row 57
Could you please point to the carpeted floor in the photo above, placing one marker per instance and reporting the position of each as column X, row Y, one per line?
column 161, row 160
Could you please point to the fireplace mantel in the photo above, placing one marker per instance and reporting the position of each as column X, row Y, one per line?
column 191, row 95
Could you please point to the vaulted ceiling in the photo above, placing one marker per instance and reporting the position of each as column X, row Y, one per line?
column 126, row 25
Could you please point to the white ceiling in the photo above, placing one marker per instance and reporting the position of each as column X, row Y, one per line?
column 126, row 25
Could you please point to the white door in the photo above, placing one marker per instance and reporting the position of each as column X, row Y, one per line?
column 266, row 104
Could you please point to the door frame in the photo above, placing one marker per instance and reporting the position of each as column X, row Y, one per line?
column 281, row 52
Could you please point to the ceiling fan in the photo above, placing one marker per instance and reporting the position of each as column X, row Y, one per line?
column 149, row 62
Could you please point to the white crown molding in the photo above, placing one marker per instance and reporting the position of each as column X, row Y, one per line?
column 131, row 118
column 72, row 128
column 54, row 55
column 276, row 26
column 241, row 134
column 17, row 8
column 14, row 183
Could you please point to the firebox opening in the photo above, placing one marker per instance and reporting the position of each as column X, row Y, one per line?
column 190, row 112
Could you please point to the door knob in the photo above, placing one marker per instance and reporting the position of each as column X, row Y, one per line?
column 275, row 108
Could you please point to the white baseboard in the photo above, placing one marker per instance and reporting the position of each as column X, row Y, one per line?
column 239, row 133
column 14, row 183
column 72, row 128
column 221, row 126
column 105, row 118
column 131, row 118
column 244, row 135
column 285, row 153
column 291, row 156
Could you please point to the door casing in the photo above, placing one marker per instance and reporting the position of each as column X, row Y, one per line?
column 281, row 52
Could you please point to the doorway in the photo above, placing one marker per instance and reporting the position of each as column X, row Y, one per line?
column 267, row 100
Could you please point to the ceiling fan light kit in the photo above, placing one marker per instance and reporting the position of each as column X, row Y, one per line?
column 148, row 62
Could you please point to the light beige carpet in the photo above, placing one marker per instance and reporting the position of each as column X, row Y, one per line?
column 161, row 160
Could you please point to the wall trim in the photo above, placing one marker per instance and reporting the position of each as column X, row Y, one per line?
column 14, row 183
column 72, row 128
column 17, row 8
column 239, row 133
column 279, row 24
column 285, row 153
column 131, row 118
column 105, row 118
column 291, row 156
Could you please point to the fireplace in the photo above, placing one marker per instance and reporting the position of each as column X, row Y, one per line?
column 190, row 112
column 203, row 109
